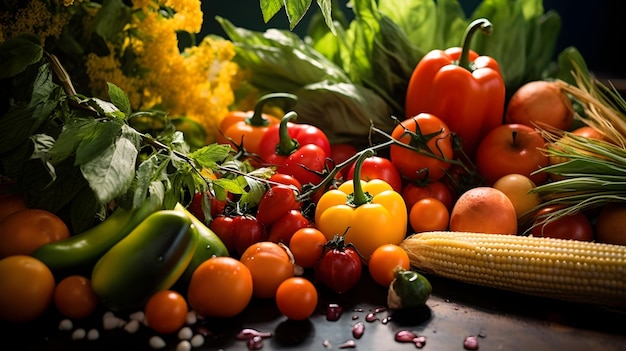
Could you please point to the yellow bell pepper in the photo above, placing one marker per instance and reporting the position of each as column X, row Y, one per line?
column 368, row 214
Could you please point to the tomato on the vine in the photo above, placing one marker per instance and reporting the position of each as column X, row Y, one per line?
column 269, row 265
column 196, row 208
column 296, row 298
column 431, row 136
column 307, row 246
column 238, row 232
column 340, row 267
column 376, row 167
column 166, row 311
column 285, row 179
column 276, row 202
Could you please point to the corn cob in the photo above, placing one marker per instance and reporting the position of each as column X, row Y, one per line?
column 570, row 270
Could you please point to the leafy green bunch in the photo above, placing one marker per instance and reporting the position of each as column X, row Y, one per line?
column 79, row 156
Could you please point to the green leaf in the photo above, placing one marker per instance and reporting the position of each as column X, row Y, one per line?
column 42, row 144
column 26, row 117
column 111, row 19
column 16, row 54
column 269, row 8
column 210, row 155
column 119, row 99
column 96, row 138
column 296, row 9
column 111, row 173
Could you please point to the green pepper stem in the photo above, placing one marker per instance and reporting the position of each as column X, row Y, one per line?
column 257, row 119
column 286, row 144
column 485, row 26
column 359, row 197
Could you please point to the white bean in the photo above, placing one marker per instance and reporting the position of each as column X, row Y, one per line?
column 197, row 340
column 78, row 334
column 184, row 345
column 185, row 333
column 93, row 334
column 156, row 342
column 66, row 324
column 132, row 326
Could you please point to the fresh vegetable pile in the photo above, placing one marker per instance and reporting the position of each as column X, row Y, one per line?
column 357, row 158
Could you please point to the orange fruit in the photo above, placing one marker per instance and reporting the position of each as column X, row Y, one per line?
column 484, row 210
column 26, row 288
column 22, row 232
column 220, row 287
column 540, row 103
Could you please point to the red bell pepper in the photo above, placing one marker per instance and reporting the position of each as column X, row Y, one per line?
column 463, row 89
column 299, row 150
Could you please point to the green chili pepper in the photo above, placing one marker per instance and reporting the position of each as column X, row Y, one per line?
column 81, row 251
column 409, row 289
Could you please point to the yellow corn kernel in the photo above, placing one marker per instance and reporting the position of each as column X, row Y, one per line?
column 570, row 270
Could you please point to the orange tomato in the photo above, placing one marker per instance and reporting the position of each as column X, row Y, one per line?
column 269, row 265
column 26, row 288
column 166, row 311
column 74, row 297
column 296, row 298
column 237, row 127
column 220, row 287
column 429, row 214
column 307, row 246
column 22, row 232
column 384, row 261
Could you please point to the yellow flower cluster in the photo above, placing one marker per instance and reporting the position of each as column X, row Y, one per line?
column 33, row 18
column 197, row 83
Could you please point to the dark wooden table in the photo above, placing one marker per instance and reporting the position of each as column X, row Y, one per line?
column 501, row 321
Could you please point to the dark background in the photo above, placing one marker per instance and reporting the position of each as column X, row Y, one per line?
column 595, row 28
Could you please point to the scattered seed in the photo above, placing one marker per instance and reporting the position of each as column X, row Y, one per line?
column 66, row 324
column 326, row 343
column 138, row 316
column 197, row 340
column 333, row 312
column 358, row 329
column 386, row 320
column 355, row 317
column 79, row 334
column 156, row 342
column 185, row 333
column 255, row 343
column 470, row 343
column 183, row 345
column 349, row 344
column 93, row 334
column 420, row 341
column 371, row 317
column 249, row 333
column 380, row 309
column 132, row 326
column 405, row 336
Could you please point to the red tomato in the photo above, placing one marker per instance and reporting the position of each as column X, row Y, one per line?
column 431, row 136
column 296, row 298
column 166, row 311
column 576, row 226
column 512, row 149
column 285, row 179
column 411, row 193
column 283, row 229
column 277, row 201
column 238, row 232
column 339, row 268
column 269, row 265
column 376, row 167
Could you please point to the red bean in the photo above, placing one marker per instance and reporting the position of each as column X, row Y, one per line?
column 358, row 329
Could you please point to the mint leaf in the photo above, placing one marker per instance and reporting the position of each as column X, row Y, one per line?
column 210, row 155
column 96, row 138
column 111, row 173
column 119, row 99
column 296, row 9
column 269, row 8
